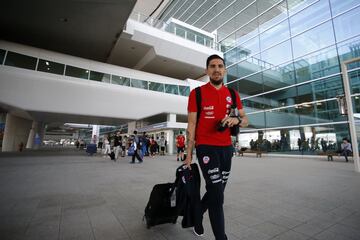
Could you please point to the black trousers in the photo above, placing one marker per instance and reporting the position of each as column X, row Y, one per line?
column 136, row 154
column 215, row 164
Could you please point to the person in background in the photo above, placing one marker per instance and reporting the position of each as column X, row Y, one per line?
column 107, row 149
column 117, row 145
column 136, row 142
column 180, row 144
column 346, row 148
column 162, row 144
column 124, row 143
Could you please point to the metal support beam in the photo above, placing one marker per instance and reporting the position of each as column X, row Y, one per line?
column 347, row 91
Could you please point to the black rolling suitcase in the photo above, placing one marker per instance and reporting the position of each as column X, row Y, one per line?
column 161, row 207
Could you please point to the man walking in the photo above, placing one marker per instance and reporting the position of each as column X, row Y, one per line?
column 213, row 144
column 117, row 145
column 180, row 144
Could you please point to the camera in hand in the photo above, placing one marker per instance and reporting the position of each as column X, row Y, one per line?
column 222, row 126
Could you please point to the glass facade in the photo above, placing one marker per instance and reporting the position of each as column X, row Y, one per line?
column 284, row 58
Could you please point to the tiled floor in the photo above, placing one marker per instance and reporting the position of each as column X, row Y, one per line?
column 80, row 197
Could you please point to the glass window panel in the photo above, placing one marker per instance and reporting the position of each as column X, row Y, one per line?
column 120, row 80
column 249, row 85
column 190, row 36
column 231, row 74
column 274, row 35
column 200, row 39
column 354, row 78
column 313, row 40
column 281, row 98
column 356, row 106
column 295, row 5
column 277, row 55
column 319, row 112
column 281, row 117
column 249, row 48
column 316, row 65
column 257, row 120
column 2, row 55
column 76, row 72
column 184, row 90
column 20, row 60
column 99, row 76
column 173, row 89
column 154, row 86
column 273, row 16
column 50, row 67
column 320, row 90
column 345, row 26
column 310, row 17
column 245, row 68
column 279, row 76
column 139, row 83
column 247, row 32
column 253, row 104
column 180, row 32
column 348, row 50
column 339, row 6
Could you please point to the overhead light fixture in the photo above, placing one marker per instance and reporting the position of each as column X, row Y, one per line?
column 357, row 97
column 47, row 63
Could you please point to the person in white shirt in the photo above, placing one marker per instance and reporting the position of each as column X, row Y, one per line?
column 107, row 146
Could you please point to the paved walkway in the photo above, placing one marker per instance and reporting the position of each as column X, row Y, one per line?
column 80, row 197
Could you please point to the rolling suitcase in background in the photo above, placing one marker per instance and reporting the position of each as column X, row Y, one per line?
column 91, row 149
column 161, row 207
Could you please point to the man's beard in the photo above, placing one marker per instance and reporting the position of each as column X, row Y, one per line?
column 216, row 82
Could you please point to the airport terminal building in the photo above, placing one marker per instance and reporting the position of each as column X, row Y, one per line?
column 285, row 58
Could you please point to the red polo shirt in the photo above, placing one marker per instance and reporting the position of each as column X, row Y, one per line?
column 215, row 104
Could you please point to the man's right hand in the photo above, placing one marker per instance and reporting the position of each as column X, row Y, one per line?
column 188, row 161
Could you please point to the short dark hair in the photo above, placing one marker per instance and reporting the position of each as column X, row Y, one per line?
column 211, row 57
column 135, row 132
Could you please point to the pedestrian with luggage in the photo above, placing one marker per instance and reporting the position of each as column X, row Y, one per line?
column 210, row 133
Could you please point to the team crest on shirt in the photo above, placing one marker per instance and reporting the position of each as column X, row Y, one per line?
column 206, row 159
column 228, row 99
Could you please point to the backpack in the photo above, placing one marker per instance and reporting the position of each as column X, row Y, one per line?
column 131, row 150
column 235, row 129
column 161, row 207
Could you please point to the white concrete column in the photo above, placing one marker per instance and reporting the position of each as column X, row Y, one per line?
column 16, row 131
column 131, row 127
column 171, row 117
column 95, row 131
column 33, row 131
column 171, row 141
